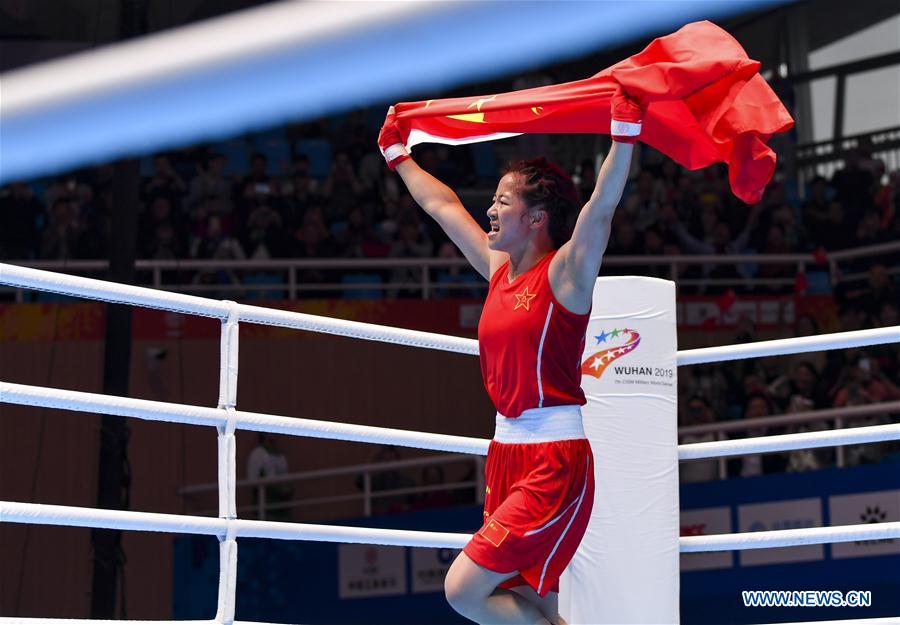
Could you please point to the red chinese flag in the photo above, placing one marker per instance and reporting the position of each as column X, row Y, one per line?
column 706, row 103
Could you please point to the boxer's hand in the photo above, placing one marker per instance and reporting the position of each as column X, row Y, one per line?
column 390, row 143
column 627, row 116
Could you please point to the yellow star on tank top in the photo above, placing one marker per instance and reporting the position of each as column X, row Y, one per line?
column 523, row 299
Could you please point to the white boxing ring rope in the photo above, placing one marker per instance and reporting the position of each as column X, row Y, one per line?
column 43, row 514
column 227, row 419
column 198, row 415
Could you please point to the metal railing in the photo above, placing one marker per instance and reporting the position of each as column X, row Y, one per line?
column 825, row 158
column 836, row 416
column 839, row 417
column 362, row 471
column 289, row 284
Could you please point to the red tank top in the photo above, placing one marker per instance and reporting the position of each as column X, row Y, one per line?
column 530, row 344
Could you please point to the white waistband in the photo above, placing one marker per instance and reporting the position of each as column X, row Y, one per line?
column 541, row 425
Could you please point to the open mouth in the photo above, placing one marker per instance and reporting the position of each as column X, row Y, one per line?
column 495, row 226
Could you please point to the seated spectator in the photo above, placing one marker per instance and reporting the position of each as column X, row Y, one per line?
column 68, row 187
column 164, row 244
column 707, row 381
column 264, row 239
column 777, row 244
column 257, row 187
column 208, row 208
column 887, row 355
column 434, row 159
column 358, row 240
column 888, row 314
column 21, row 212
column 868, row 298
column 801, row 381
column 388, row 480
column 159, row 211
column 887, row 200
column 624, row 240
column 642, row 205
column 721, row 244
column 300, row 194
column 795, row 237
column 814, row 211
column 654, row 245
column 299, row 169
column 801, row 460
column 869, row 232
column 165, row 182
column 310, row 241
column 371, row 172
column 433, row 476
column 210, row 184
column 862, row 382
column 266, row 460
column 805, row 385
column 698, row 412
column 214, row 244
column 806, row 325
column 409, row 244
column 389, row 224
column 342, row 189
column 63, row 231
column 757, row 406
column 353, row 137
column 833, row 232
column 456, row 274
column 881, row 289
column 585, row 178
column 853, row 187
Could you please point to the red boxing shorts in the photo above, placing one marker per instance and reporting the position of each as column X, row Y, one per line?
column 540, row 491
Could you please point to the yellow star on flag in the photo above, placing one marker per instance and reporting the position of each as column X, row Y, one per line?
column 523, row 299
column 481, row 102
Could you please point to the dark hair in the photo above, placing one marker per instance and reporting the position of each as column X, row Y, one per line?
column 547, row 187
column 770, row 406
column 698, row 397
column 808, row 365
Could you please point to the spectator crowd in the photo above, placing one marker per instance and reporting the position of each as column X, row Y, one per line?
column 320, row 191
column 338, row 200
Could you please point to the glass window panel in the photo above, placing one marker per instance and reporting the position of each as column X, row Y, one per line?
column 872, row 100
column 822, row 94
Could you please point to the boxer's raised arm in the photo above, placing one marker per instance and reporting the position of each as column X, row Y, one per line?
column 443, row 205
column 436, row 198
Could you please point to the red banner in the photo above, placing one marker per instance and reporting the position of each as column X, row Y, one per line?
column 706, row 103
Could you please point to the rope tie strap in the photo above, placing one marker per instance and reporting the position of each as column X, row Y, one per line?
column 228, row 466
column 228, row 548
column 228, row 357
column 229, row 427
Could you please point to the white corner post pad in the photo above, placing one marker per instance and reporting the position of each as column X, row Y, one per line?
column 626, row 569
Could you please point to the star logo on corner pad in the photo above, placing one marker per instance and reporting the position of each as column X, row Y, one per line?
column 597, row 362
column 523, row 299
